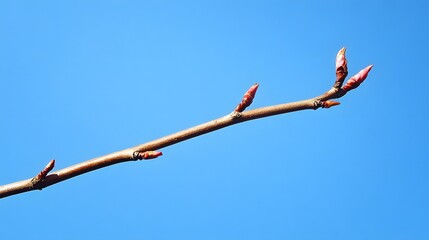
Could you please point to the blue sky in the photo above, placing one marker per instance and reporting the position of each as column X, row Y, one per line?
column 82, row 79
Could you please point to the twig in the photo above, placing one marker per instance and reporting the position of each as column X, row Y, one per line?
column 147, row 150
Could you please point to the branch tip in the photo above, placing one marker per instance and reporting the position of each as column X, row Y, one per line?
column 247, row 98
column 340, row 68
column 357, row 79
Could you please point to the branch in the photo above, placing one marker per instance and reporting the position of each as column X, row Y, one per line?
column 147, row 150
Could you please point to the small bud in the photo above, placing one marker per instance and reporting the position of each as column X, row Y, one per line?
column 147, row 155
column 46, row 170
column 341, row 60
column 357, row 79
column 247, row 98
column 340, row 67
column 43, row 173
column 50, row 165
column 328, row 104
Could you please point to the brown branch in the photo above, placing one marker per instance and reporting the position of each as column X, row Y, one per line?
column 146, row 151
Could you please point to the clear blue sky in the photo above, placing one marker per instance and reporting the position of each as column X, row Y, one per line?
column 80, row 79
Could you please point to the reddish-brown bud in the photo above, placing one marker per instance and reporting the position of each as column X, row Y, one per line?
column 148, row 155
column 47, row 169
column 340, row 67
column 328, row 104
column 247, row 98
column 43, row 173
column 357, row 79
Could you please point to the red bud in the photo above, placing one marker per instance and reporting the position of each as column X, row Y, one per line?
column 328, row 104
column 150, row 155
column 247, row 98
column 357, row 79
column 45, row 171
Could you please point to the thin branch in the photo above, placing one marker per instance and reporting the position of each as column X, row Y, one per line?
column 147, row 150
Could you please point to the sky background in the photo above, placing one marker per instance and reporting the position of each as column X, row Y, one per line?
column 80, row 79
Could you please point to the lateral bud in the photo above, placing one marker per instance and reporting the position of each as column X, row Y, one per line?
column 147, row 155
column 247, row 98
column 42, row 175
column 328, row 104
column 47, row 169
